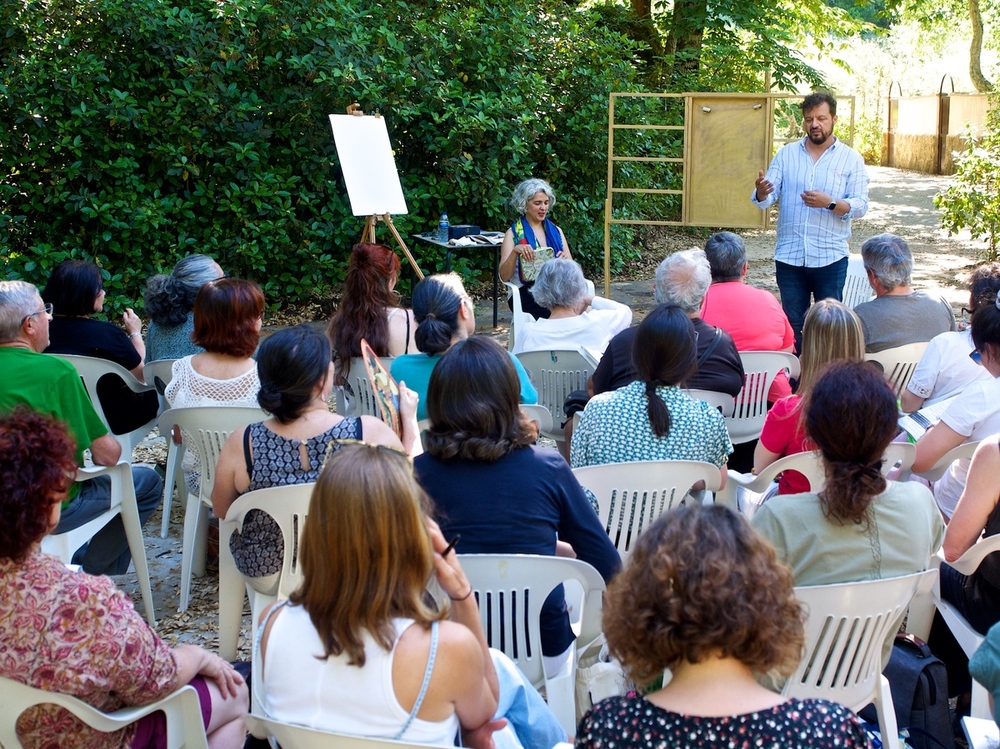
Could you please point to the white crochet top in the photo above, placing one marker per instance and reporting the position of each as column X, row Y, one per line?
column 188, row 388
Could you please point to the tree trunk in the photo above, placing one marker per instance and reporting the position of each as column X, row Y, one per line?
column 982, row 85
column 687, row 29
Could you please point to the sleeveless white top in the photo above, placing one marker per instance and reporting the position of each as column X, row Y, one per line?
column 330, row 695
column 188, row 388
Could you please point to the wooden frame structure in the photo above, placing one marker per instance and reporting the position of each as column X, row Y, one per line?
column 724, row 139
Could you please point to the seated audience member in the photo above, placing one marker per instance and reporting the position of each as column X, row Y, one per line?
column 683, row 280
column 945, row 369
column 349, row 656
column 445, row 315
column 369, row 309
column 898, row 314
column 984, row 667
column 51, row 386
column 75, row 634
column 170, row 304
column 752, row 317
column 490, row 484
column 973, row 415
column 831, row 332
column 296, row 378
column 76, row 291
column 577, row 318
column 860, row 526
column 694, row 566
column 653, row 418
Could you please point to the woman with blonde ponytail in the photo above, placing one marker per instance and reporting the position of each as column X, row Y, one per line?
column 860, row 526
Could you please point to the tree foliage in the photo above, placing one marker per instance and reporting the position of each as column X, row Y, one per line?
column 133, row 132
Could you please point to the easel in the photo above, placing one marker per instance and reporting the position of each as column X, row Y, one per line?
column 368, row 235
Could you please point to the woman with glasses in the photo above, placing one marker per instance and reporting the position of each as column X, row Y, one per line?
column 76, row 291
column 973, row 415
column 445, row 315
column 296, row 378
column 170, row 305
column 945, row 369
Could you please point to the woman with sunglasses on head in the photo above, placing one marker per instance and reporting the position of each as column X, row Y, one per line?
column 76, row 291
column 296, row 377
column 973, row 415
column 386, row 660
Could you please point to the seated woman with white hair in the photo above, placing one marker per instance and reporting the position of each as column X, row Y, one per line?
column 578, row 319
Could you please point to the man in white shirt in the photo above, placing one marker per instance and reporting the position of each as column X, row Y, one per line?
column 825, row 184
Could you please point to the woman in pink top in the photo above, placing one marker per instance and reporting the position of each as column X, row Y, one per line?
column 831, row 331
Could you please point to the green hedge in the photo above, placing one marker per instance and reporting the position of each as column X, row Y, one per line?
column 133, row 132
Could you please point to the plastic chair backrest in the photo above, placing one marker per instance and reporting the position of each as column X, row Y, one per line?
column 846, row 627
column 723, row 402
column 555, row 374
column 538, row 414
column 898, row 364
column 760, row 368
column 936, row 471
column 856, row 286
column 630, row 496
column 299, row 737
column 363, row 402
column 181, row 708
column 91, row 369
column 518, row 317
column 158, row 375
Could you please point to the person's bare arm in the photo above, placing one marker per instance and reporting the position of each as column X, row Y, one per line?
column 193, row 661
column 133, row 326
column 910, row 402
column 977, row 502
column 508, row 257
column 762, row 457
column 105, row 450
column 935, row 442
column 565, row 247
column 232, row 464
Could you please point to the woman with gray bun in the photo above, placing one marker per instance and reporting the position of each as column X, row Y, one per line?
column 170, row 304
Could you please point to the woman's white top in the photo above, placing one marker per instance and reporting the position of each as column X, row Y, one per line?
column 945, row 369
column 188, row 388
column 591, row 331
column 330, row 695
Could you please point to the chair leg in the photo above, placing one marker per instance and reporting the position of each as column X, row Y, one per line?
column 231, row 590
column 560, row 693
column 886, row 715
column 194, row 516
column 174, row 477
column 133, row 532
column 980, row 707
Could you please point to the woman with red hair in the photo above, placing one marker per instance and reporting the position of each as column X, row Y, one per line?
column 77, row 634
column 370, row 309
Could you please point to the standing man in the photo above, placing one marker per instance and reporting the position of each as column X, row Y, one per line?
column 824, row 184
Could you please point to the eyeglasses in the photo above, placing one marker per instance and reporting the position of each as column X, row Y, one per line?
column 47, row 309
column 976, row 357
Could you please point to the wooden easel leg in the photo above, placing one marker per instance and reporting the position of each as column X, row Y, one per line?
column 368, row 234
column 402, row 245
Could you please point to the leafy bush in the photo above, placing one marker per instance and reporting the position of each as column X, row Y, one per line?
column 137, row 131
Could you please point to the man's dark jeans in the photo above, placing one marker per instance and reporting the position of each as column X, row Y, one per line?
column 797, row 284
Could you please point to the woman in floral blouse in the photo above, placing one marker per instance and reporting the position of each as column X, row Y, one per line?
column 69, row 632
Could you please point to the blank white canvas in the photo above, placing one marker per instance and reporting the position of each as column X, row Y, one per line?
column 369, row 167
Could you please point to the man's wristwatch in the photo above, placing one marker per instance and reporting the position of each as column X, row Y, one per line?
column 832, row 206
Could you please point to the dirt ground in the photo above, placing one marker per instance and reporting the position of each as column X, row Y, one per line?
column 900, row 202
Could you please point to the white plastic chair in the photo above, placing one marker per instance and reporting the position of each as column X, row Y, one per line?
column 809, row 464
column 856, row 286
column 936, row 471
column 299, row 737
column 208, row 427
column 91, row 370
column 555, row 374
column 182, row 710
column 363, row 402
column 540, row 415
column 898, row 364
column 123, row 502
column 630, row 496
column 846, row 627
column 511, row 589
column 723, row 402
column 967, row 637
column 760, row 368
column 289, row 507
column 162, row 369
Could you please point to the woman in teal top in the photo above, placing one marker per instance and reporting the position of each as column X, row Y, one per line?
column 445, row 315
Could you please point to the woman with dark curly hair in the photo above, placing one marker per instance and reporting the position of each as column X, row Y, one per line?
column 495, row 488
column 704, row 596
column 170, row 305
column 76, row 634
column 370, row 309
column 860, row 526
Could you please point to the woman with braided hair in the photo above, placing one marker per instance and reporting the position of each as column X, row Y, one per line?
column 860, row 526
column 653, row 418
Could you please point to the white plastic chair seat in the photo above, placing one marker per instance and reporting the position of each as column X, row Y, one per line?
column 91, row 369
column 162, row 370
column 555, row 374
column 898, row 364
column 208, row 427
column 123, row 502
column 299, row 737
column 510, row 589
column 936, row 471
column 631, row 496
column 182, row 709
column 857, row 289
column 846, row 627
column 760, row 369
column 288, row 506
column 723, row 402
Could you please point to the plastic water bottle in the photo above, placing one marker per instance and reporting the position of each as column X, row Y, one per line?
column 443, row 227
